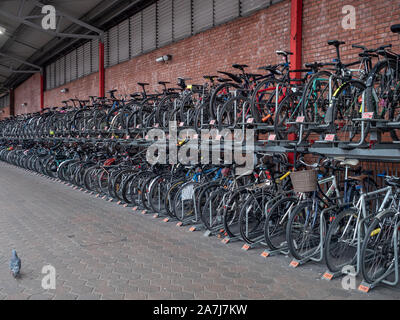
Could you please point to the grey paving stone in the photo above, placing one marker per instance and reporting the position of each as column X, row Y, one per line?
column 102, row 251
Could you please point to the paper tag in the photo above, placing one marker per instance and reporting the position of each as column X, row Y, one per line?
column 300, row 119
column 272, row 137
column 368, row 115
column 250, row 121
column 330, row 137
column 212, row 122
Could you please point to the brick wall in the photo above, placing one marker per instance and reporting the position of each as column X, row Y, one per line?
column 251, row 40
column 29, row 93
column 4, row 113
column 81, row 89
column 322, row 21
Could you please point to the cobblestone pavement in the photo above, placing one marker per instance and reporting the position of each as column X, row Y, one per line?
column 103, row 251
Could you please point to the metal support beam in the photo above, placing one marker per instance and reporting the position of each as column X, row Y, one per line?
column 102, row 72
column 296, row 35
column 21, row 61
column 72, row 19
column 296, row 39
column 25, row 21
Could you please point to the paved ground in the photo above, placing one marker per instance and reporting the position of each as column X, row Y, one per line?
column 103, row 251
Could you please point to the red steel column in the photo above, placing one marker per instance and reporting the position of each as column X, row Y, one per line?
column 102, row 76
column 296, row 41
column 41, row 91
column 296, row 34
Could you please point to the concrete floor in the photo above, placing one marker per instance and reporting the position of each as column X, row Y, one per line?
column 101, row 250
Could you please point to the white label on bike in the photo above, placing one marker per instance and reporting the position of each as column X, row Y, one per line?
column 272, row 137
column 330, row 137
column 156, row 125
column 300, row 119
column 187, row 192
column 181, row 124
column 212, row 122
column 368, row 115
column 250, row 121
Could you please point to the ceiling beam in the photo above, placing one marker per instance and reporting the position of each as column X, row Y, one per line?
column 72, row 19
column 39, row 28
column 20, row 60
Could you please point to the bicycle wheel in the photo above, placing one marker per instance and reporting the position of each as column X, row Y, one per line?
column 276, row 222
column 377, row 252
column 264, row 100
column 234, row 112
column 341, row 241
column 315, row 100
column 303, row 230
column 211, row 214
column 252, row 217
column 231, row 212
column 380, row 95
column 347, row 104
column 287, row 111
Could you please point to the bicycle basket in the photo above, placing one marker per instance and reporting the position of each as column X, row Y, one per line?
column 304, row 181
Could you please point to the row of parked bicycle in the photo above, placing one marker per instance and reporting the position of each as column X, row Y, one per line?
column 330, row 99
column 333, row 212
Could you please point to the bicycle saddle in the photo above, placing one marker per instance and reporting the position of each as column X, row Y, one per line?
column 393, row 181
column 271, row 69
column 163, row 83
column 112, row 91
column 254, row 75
column 350, row 163
column 336, row 43
column 240, row 66
column 395, row 28
column 284, row 53
column 232, row 76
column 222, row 80
column 142, row 84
